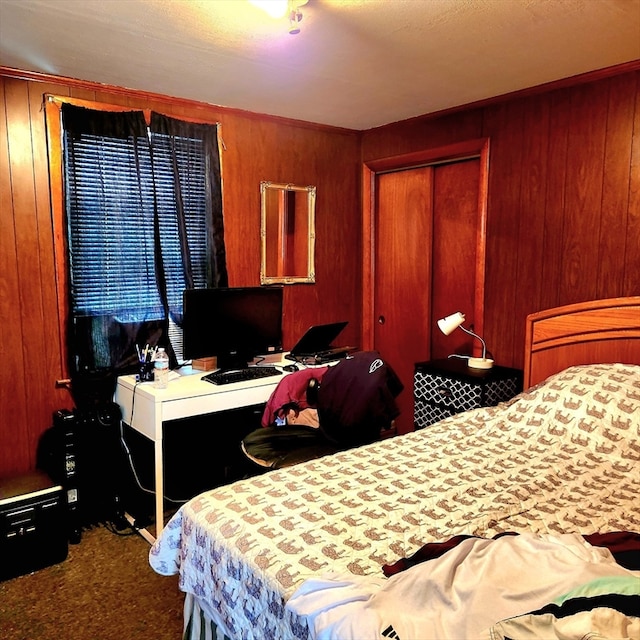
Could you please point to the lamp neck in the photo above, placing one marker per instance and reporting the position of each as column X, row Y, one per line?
column 475, row 335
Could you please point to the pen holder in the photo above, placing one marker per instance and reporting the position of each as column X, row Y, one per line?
column 145, row 372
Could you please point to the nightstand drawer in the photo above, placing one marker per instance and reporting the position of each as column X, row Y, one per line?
column 446, row 391
column 426, row 413
column 442, row 388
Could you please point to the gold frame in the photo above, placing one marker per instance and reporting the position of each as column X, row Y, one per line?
column 276, row 243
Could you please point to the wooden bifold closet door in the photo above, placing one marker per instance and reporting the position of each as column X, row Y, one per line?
column 425, row 235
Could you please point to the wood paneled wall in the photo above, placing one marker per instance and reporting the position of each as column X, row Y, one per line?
column 255, row 148
column 563, row 215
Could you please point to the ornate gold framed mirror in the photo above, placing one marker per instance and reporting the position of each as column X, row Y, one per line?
column 288, row 233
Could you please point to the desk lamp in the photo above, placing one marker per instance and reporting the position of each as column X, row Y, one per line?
column 454, row 321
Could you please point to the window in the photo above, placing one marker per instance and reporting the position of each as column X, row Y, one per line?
column 143, row 222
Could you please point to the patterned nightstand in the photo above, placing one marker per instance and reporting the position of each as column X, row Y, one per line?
column 442, row 388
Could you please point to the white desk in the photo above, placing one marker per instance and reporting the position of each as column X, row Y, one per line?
column 144, row 408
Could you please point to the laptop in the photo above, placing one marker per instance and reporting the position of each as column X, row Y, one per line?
column 315, row 344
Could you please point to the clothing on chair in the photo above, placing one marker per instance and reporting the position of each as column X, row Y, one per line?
column 303, row 417
column 356, row 399
column 290, row 392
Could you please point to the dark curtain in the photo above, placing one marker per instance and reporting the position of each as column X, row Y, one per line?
column 138, row 225
column 166, row 136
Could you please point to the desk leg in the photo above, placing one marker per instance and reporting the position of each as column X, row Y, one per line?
column 159, row 486
column 143, row 532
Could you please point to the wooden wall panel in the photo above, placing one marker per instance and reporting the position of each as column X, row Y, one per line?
column 531, row 210
column 256, row 148
column 421, row 133
column 51, row 397
column 455, row 206
column 615, row 198
column 504, row 126
column 563, row 217
column 34, row 264
column 303, row 157
column 13, row 413
column 631, row 276
column 557, row 160
column 586, row 140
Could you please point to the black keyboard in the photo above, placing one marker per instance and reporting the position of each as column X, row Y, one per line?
column 241, row 375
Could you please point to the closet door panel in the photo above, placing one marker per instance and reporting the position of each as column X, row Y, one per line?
column 455, row 252
column 402, row 282
column 425, row 221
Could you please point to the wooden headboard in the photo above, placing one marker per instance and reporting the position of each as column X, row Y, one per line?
column 583, row 333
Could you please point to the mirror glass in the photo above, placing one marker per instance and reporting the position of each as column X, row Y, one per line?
column 288, row 233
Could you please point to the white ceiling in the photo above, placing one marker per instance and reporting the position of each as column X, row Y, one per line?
column 355, row 63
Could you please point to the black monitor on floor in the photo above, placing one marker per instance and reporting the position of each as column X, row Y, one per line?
column 233, row 324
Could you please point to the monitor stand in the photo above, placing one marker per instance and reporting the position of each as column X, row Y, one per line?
column 233, row 360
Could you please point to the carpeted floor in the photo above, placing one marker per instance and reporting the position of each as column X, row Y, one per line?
column 104, row 590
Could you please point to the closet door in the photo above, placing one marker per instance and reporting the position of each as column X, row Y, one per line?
column 402, row 283
column 428, row 262
column 458, row 246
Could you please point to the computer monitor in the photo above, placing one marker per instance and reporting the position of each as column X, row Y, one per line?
column 233, row 324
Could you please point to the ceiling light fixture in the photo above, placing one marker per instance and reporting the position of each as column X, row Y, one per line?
column 280, row 8
column 275, row 8
column 295, row 16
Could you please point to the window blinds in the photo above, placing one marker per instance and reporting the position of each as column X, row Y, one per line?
column 144, row 216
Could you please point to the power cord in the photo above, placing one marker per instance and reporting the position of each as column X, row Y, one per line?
column 125, row 446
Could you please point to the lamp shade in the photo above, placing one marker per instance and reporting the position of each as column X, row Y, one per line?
column 451, row 323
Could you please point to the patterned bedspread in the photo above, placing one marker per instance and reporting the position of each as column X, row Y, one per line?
column 561, row 457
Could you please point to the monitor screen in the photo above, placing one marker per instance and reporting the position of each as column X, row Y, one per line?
column 233, row 324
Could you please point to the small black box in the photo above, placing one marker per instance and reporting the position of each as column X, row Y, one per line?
column 33, row 529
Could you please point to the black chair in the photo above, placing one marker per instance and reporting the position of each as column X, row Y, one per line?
column 275, row 447
column 354, row 400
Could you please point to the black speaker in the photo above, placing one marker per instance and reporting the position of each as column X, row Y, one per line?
column 99, row 461
column 82, row 452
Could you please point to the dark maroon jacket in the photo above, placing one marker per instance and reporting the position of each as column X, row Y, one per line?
column 356, row 399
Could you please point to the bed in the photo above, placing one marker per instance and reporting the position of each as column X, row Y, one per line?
column 339, row 547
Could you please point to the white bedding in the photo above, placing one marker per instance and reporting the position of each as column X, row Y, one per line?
column 560, row 458
column 458, row 595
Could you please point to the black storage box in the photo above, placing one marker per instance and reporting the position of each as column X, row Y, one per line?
column 33, row 529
